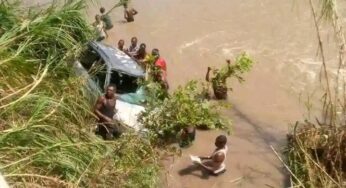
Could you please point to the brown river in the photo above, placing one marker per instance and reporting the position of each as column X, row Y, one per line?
column 195, row 34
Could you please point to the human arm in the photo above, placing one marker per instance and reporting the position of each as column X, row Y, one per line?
column 97, row 109
column 211, row 169
column 207, row 75
column 126, row 16
column 204, row 158
column 215, row 163
column 229, row 69
column 134, row 12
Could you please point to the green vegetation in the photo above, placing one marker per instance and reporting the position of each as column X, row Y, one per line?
column 316, row 155
column 316, row 152
column 45, row 119
column 243, row 63
column 186, row 107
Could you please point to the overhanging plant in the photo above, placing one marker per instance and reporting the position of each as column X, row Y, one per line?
column 243, row 63
column 186, row 107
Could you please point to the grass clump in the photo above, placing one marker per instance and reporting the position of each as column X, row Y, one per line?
column 45, row 113
column 316, row 155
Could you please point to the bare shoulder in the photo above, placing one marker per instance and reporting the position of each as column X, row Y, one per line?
column 219, row 157
column 116, row 96
column 101, row 99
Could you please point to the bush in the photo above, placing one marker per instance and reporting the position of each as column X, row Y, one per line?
column 186, row 107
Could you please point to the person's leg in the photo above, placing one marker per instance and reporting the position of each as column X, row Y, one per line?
column 210, row 164
column 101, row 38
column 116, row 130
column 102, row 131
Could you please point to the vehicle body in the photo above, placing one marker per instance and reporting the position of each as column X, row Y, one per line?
column 102, row 65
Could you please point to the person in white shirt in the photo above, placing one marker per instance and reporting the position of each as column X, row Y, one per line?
column 215, row 163
column 100, row 28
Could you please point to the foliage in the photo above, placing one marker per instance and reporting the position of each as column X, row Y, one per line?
column 45, row 119
column 316, row 156
column 316, row 153
column 243, row 63
column 185, row 107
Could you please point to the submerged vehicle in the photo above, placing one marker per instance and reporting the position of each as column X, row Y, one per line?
column 102, row 65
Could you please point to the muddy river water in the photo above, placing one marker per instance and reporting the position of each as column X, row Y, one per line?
column 195, row 34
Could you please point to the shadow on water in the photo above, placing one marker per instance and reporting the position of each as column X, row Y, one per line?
column 194, row 170
column 268, row 139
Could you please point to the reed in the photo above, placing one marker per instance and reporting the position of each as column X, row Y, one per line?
column 46, row 120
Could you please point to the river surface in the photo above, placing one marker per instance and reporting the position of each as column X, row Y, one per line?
column 195, row 34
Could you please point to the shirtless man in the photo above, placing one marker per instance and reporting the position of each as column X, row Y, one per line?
column 215, row 163
column 105, row 110
column 106, row 19
column 129, row 13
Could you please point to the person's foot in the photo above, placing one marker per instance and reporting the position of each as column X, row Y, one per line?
column 219, row 173
column 109, row 136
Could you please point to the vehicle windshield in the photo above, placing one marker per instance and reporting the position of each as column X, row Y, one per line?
column 124, row 82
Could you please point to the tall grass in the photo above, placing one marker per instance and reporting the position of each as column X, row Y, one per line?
column 45, row 114
column 316, row 150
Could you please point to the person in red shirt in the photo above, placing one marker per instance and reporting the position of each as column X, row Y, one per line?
column 160, row 63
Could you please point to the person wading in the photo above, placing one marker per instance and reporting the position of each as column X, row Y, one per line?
column 161, row 64
column 215, row 163
column 142, row 56
column 129, row 13
column 133, row 49
column 105, row 110
column 121, row 44
column 100, row 29
column 106, row 19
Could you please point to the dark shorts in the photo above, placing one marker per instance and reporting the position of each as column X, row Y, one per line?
column 109, row 27
column 100, row 39
column 130, row 19
column 109, row 131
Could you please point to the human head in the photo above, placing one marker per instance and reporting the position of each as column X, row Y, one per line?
column 134, row 41
column 155, row 52
column 125, row 5
column 121, row 44
column 98, row 18
column 220, row 141
column 102, row 10
column 110, row 90
column 142, row 48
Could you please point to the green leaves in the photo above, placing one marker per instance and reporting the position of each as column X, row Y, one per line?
column 243, row 63
column 184, row 108
column 46, row 135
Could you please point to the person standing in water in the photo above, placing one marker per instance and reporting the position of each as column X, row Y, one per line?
column 121, row 44
column 215, row 163
column 100, row 28
column 105, row 110
column 133, row 49
column 142, row 56
column 106, row 19
column 129, row 13
column 161, row 64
